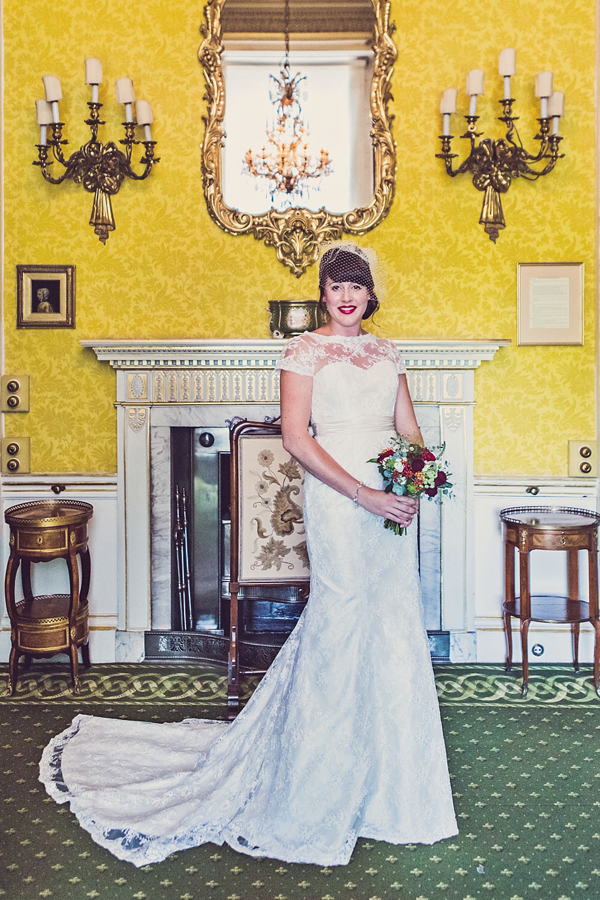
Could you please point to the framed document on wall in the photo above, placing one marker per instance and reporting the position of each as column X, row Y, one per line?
column 549, row 303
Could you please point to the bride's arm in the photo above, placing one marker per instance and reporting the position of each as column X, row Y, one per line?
column 404, row 415
column 296, row 397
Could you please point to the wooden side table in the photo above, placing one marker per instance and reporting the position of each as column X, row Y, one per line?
column 550, row 528
column 45, row 625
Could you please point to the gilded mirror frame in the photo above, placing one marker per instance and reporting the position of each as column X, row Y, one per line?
column 297, row 233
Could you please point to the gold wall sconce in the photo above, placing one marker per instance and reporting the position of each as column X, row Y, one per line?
column 100, row 168
column 494, row 164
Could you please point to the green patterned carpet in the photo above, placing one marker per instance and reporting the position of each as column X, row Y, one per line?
column 525, row 774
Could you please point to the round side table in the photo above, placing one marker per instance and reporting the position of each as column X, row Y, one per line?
column 550, row 528
column 42, row 626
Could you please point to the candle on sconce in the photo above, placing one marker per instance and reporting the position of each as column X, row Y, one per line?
column 475, row 86
column 43, row 117
column 125, row 94
column 447, row 107
column 93, row 75
column 543, row 90
column 143, row 114
column 53, row 93
column 507, row 66
column 556, row 108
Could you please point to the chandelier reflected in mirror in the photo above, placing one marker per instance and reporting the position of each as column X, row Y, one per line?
column 285, row 161
column 297, row 233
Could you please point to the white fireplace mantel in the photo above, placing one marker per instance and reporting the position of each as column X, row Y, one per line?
column 195, row 383
column 237, row 353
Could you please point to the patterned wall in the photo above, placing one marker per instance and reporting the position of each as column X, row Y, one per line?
column 168, row 271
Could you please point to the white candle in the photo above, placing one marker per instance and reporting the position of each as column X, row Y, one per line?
column 446, row 130
column 124, row 90
column 475, row 86
column 52, row 88
column 448, row 102
column 556, row 104
column 43, row 111
column 475, row 82
column 93, row 75
column 143, row 114
column 543, row 90
column 507, row 62
column 93, row 70
column 556, row 109
column 543, row 84
column 507, row 66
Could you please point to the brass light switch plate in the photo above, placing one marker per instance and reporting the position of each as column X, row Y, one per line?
column 15, row 393
column 15, row 456
column 583, row 459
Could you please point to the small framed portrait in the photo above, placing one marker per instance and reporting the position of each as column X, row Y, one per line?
column 45, row 296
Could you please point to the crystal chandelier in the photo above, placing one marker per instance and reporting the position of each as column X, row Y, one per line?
column 285, row 160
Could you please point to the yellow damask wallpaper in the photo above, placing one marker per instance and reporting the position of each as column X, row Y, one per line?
column 168, row 271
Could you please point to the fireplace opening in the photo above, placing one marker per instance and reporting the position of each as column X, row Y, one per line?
column 201, row 523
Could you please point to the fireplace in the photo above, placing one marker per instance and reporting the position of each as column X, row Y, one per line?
column 173, row 394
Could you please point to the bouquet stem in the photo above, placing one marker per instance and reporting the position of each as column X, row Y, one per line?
column 394, row 526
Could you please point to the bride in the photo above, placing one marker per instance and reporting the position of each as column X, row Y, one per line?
column 343, row 737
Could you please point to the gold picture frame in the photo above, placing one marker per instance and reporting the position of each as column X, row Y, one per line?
column 297, row 233
column 45, row 296
column 550, row 303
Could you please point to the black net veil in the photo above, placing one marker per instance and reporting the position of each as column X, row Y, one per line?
column 346, row 262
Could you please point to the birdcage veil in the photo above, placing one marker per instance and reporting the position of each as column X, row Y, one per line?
column 344, row 261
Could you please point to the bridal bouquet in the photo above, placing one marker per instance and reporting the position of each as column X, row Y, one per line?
column 411, row 470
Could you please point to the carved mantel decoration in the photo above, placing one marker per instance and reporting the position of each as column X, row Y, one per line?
column 297, row 233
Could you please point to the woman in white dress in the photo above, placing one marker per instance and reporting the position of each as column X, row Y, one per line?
column 343, row 737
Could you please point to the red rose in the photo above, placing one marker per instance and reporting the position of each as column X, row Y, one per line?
column 383, row 456
column 427, row 455
column 431, row 492
column 440, row 479
column 417, row 464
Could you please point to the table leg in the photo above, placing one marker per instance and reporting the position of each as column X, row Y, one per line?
column 26, row 579
column 509, row 598
column 83, row 598
column 525, row 611
column 573, row 601
column 524, row 633
column 593, row 599
column 74, row 585
column 12, row 567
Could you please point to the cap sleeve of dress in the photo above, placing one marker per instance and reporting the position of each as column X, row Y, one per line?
column 298, row 356
column 397, row 359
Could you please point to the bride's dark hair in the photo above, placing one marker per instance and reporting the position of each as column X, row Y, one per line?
column 348, row 263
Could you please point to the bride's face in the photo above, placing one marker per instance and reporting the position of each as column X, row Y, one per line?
column 346, row 302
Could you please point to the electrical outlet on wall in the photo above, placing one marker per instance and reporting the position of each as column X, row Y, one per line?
column 15, row 456
column 583, row 459
column 15, row 393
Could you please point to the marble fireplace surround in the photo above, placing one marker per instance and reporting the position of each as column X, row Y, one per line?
column 198, row 383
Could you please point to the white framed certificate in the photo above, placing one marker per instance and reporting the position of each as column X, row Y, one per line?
column 549, row 303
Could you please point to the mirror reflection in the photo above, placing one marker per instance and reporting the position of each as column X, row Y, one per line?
column 298, row 123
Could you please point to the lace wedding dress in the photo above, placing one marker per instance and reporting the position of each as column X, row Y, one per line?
column 342, row 738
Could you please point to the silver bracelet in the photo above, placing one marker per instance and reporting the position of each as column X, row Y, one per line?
column 358, row 487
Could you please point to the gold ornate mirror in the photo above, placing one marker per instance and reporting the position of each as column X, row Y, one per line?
column 296, row 232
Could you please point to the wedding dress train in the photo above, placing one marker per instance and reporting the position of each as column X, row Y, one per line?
column 342, row 738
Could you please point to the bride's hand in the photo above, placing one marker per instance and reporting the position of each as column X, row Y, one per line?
column 388, row 505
